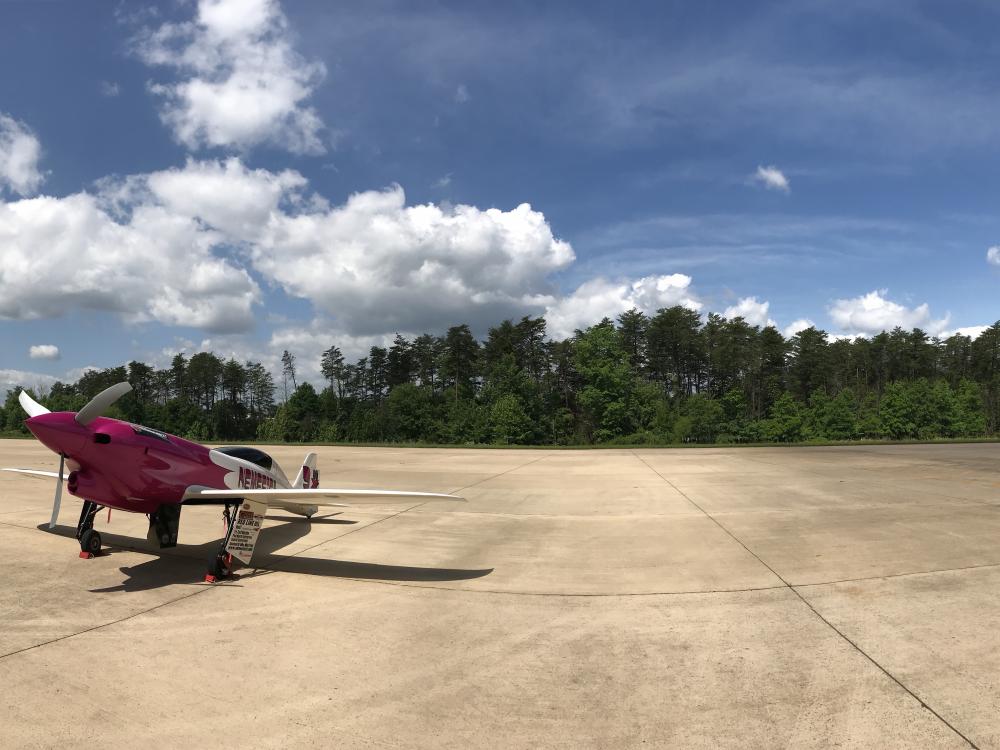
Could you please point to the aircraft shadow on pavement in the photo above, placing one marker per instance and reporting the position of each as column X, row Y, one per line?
column 186, row 563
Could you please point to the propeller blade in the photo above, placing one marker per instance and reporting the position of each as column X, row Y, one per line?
column 30, row 405
column 58, row 499
column 97, row 405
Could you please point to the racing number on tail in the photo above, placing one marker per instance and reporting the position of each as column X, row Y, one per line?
column 310, row 478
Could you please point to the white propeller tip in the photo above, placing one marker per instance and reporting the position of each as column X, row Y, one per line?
column 32, row 407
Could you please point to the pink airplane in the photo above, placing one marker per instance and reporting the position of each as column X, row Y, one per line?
column 115, row 464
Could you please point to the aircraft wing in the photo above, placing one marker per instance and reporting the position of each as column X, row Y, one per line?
column 36, row 473
column 319, row 496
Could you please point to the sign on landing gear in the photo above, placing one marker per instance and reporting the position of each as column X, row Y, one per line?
column 249, row 519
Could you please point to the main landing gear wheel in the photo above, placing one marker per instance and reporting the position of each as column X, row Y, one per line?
column 90, row 544
column 220, row 568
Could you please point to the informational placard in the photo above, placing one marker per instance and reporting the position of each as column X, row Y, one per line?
column 249, row 519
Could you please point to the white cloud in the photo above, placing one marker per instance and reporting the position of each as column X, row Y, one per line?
column 20, row 151
column 377, row 265
column 600, row 298
column 973, row 332
column 443, row 182
column 44, row 351
column 225, row 195
column 177, row 246
column 243, row 82
column 150, row 247
column 797, row 326
column 110, row 89
column 772, row 178
column 462, row 94
column 17, row 379
column 752, row 311
column 993, row 255
column 873, row 313
column 306, row 341
column 61, row 254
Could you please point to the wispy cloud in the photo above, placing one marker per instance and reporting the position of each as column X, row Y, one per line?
column 20, row 151
column 772, row 178
column 747, row 74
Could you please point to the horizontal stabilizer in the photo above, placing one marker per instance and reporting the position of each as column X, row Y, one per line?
column 316, row 496
column 37, row 473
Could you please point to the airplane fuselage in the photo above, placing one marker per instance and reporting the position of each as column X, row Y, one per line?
column 133, row 468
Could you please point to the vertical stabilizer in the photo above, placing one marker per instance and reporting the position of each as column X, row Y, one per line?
column 308, row 476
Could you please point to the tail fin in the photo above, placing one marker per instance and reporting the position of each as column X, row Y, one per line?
column 308, row 476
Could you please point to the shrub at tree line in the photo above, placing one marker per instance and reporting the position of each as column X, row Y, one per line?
column 666, row 378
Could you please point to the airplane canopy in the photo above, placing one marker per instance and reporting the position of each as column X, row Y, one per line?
column 253, row 455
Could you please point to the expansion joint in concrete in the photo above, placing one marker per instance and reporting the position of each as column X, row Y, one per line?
column 809, row 604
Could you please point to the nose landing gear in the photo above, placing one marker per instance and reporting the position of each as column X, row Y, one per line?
column 90, row 540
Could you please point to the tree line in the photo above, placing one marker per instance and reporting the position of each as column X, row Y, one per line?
column 672, row 377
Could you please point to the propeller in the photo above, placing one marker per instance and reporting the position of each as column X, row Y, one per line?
column 96, row 406
column 30, row 405
column 58, row 498
column 91, row 411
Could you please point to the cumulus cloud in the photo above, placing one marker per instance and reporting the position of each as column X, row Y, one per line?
column 225, row 195
column 797, row 326
column 873, row 313
column 44, row 351
column 599, row 298
column 20, row 151
column 752, row 311
column 242, row 83
column 993, row 255
column 178, row 246
column 61, row 254
column 376, row 264
column 174, row 246
column 772, row 178
column 973, row 332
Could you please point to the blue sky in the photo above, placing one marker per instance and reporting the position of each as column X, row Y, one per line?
column 180, row 175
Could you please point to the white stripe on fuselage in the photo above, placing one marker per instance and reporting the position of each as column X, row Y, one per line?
column 246, row 475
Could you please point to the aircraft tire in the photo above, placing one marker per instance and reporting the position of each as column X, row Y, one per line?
column 91, row 542
column 219, row 568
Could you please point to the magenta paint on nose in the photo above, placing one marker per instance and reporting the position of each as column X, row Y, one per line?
column 59, row 432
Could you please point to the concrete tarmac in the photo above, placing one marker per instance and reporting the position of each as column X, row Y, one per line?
column 785, row 597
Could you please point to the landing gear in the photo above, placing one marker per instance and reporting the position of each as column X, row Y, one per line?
column 221, row 565
column 90, row 544
column 90, row 540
